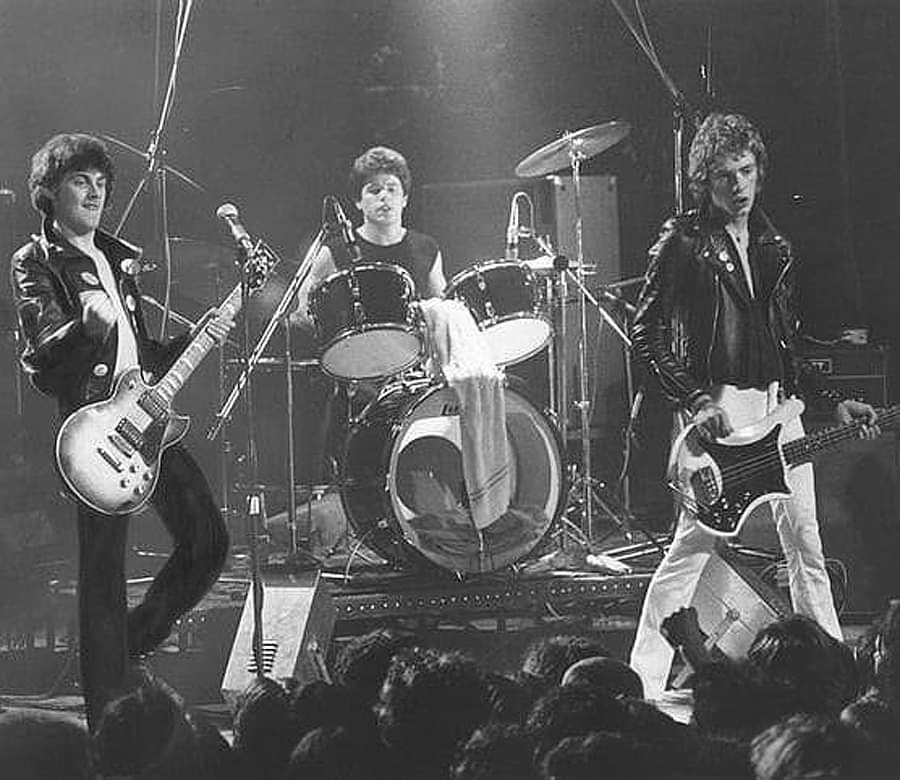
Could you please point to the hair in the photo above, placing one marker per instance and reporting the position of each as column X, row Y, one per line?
column 136, row 728
column 336, row 753
column 43, row 745
column 607, row 674
column 722, row 135
column 363, row 662
column 378, row 159
column 498, row 751
column 548, row 658
column 431, row 702
column 605, row 754
column 573, row 711
column 800, row 659
column 264, row 732
column 809, row 746
column 61, row 154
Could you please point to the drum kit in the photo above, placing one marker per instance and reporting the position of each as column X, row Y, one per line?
column 399, row 470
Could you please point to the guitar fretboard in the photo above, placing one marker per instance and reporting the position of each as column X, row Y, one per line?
column 194, row 353
column 804, row 449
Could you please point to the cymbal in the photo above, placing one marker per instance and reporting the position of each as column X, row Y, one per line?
column 582, row 144
column 202, row 271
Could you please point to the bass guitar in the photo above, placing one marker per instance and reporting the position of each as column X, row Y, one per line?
column 108, row 453
column 721, row 482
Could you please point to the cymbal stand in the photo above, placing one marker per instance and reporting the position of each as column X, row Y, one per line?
column 583, row 482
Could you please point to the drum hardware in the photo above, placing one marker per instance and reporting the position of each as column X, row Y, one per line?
column 569, row 151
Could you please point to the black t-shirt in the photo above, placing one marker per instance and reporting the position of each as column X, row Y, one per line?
column 416, row 253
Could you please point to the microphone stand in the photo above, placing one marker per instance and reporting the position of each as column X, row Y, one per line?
column 279, row 316
column 681, row 108
column 155, row 154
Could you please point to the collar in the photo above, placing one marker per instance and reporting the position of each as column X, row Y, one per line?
column 58, row 248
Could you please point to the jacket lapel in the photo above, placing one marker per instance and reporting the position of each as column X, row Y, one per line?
column 720, row 255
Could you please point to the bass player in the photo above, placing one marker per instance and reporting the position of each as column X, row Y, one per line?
column 716, row 327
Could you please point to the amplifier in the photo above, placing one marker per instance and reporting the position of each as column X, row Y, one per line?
column 856, row 372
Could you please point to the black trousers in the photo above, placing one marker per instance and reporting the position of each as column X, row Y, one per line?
column 110, row 635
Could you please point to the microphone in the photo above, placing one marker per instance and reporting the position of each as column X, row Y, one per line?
column 512, row 230
column 229, row 213
column 348, row 235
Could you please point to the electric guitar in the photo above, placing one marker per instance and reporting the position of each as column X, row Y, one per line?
column 721, row 482
column 108, row 453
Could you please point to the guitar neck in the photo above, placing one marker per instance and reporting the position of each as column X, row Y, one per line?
column 194, row 353
column 806, row 448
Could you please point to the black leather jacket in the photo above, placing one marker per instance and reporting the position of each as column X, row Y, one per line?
column 695, row 308
column 47, row 274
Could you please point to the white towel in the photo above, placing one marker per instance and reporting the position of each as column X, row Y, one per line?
column 464, row 359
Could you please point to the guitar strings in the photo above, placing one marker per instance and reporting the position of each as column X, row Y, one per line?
column 757, row 465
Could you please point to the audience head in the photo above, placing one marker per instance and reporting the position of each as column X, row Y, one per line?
column 264, row 733
column 362, row 663
column 335, row 753
column 498, row 751
column 510, row 699
column 143, row 731
column 606, row 674
column 571, row 712
column 605, row 754
column 804, row 664
column 430, row 703
column 43, row 745
column 548, row 658
column 808, row 746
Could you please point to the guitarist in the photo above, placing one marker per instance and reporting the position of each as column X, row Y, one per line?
column 79, row 312
column 716, row 327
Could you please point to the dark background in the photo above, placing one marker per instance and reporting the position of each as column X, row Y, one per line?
column 275, row 97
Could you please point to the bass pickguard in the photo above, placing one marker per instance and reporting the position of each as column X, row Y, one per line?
column 721, row 483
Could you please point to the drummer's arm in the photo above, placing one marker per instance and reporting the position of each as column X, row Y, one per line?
column 436, row 280
column 323, row 265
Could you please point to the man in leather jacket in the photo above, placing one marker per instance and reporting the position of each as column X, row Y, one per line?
column 716, row 327
column 79, row 313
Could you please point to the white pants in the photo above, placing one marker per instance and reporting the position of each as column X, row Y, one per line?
column 675, row 580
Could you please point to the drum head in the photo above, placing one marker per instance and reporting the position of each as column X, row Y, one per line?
column 517, row 338
column 427, row 491
column 372, row 354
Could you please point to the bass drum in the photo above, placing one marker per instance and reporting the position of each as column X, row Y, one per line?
column 403, row 489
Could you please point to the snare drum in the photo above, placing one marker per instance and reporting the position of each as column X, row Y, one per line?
column 506, row 301
column 367, row 323
column 404, row 493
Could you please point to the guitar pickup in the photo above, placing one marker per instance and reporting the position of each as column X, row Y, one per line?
column 130, row 433
column 116, row 464
column 121, row 445
column 706, row 489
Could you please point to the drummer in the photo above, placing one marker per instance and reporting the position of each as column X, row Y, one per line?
column 379, row 185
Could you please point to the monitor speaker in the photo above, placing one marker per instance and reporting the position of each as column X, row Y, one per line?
column 297, row 623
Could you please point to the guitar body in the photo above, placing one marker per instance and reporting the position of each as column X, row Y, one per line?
column 721, row 482
column 108, row 453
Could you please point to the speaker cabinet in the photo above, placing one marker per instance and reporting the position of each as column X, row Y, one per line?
column 297, row 623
